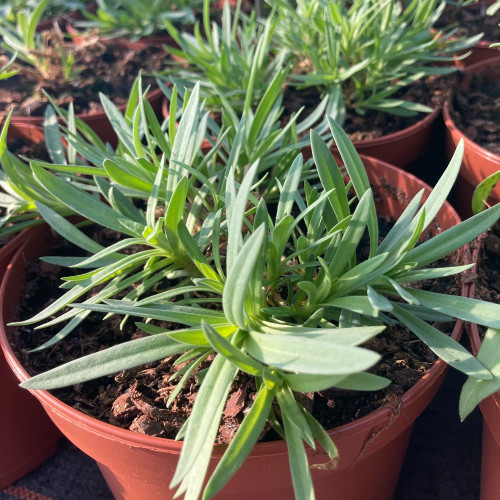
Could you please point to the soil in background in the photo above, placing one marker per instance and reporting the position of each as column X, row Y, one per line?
column 488, row 268
column 109, row 68
column 372, row 124
column 472, row 20
column 475, row 109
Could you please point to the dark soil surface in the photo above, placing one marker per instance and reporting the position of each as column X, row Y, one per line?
column 475, row 108
column 488, row 268
column 136, row 398
column 372, row 124
column 472, row 20
column 31, row 150
column 109, row 68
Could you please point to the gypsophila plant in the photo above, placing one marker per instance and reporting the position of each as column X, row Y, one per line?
column 362, row 52
column 133, row 19
column 228, row 59
column 283, row 281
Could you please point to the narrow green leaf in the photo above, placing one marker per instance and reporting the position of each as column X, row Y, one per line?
column 474, row 389
column 483, row 191
column 445, row 347
column 309, row 355
column 77, row 200
column 239, row 276
column 202, row 427
column 114, row 359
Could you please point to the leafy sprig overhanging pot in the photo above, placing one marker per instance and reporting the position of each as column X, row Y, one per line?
column 487, row 394
column 325, row 304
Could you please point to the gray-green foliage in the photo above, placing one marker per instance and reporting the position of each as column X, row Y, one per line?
column 134, row 19
column 229, row 59
column 52, row 59
column 285, row 281
column 362, row 52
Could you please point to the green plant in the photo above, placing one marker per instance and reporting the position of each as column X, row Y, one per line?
column 362, row 53
column 232, row 58
column 137, row 19
column 47, row 52
column 282, row 282
column 256, row 131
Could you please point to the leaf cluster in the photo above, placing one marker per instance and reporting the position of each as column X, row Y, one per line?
column 134, row 20
column 228, row 59
column 362, row 53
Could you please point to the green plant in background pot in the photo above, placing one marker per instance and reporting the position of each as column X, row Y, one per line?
column 251, row 287
column 362, row 53
column 228, row 59
column 51, row 57
column 485, row 344
column 9, row 8
column 133, row 20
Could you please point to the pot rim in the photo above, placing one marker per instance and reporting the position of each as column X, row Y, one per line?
column 370, row 421
column 400, row 134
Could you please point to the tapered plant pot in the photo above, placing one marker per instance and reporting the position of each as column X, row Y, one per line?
column 403, row 147
column 141, row 467
column 479, row 53
column 478, row 163
column 490, row 409
column 27, row 435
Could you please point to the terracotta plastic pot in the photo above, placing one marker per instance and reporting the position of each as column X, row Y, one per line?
column 403, row 147
column 27, row 435
column 490, row 409
column 371, row 449
column 478, row 162
column 479, row 53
